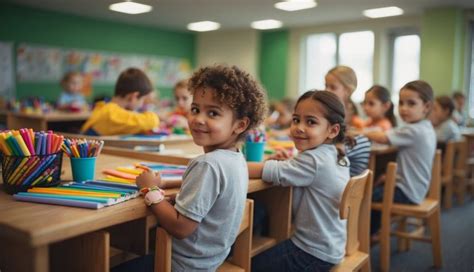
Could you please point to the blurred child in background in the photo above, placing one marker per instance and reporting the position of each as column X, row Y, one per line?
column 280, row 119
column 71, row 97
column 120, row 116
column 441, row 117
column 458, row 113
column 379, row 109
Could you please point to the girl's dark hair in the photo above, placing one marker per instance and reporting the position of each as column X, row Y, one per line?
column 133, row 80
column 333, row 112
column 422, row 88
column 383, row 94
column 446, row 103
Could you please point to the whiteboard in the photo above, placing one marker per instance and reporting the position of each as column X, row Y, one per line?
column 7, row 80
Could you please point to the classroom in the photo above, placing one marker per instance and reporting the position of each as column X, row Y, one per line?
column 282, row 135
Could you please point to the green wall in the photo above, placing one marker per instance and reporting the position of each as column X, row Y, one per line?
column 442, row 49
column 273, row 62
column 22, row 24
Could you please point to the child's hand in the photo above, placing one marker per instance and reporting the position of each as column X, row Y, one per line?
column 148, row 179
column 280, row 155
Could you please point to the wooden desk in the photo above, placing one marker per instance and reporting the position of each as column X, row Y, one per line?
column 38, row 122
column 179, row 145
column 380, row 155
column 469, row 134
column 40, row 237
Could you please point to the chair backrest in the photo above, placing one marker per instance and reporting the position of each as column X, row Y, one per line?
column 355, row 207
column 435, row 184
column 242, row 246
column 389, row 187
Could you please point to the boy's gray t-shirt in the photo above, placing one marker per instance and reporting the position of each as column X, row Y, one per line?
column 447, row 131
column 416, row 144
column 213, row 193
column 320, row 182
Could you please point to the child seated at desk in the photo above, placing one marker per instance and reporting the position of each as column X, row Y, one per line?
column 416, row 142
column 177, row 119
column 119, row 116
column 208, row 211
column 320, row 173
column 71, row 98
column 279, row 120
column 379, row 109
column 441, row 117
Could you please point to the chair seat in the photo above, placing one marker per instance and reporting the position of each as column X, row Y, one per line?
column 424, row 209
column 353, row 262
column 229, row 267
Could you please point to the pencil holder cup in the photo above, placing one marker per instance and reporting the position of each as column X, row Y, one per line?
column 83, row 169
column 254, row 151
column 20, row 173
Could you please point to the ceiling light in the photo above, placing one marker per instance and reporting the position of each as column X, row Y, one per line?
column 266, row 24
column 293, row 5
column 130, row 7
column 383, row 12
column 204, row 26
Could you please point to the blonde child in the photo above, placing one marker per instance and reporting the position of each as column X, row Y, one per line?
column 441, row 118
column 416, row 142
column 205, row 220
column 342, row 81
column 379, row 109
column 321, row 173
column 119, row 116
column 71, row 98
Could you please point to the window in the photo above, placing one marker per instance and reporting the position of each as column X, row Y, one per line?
column 356, row 50
column 406, row 62
column 324, row 51
column 320, row 57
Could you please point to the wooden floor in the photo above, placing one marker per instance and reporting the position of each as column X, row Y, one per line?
column 457, row 242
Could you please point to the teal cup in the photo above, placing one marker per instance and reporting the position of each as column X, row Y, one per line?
column 83, row 169
column 254, row 151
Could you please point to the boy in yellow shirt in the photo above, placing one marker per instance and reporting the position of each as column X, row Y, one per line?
column 118, row 116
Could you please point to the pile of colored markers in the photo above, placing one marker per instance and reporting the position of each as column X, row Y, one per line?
column 82, row 148
column 256, row 136
column 30, row 158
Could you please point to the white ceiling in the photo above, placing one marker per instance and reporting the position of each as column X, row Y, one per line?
column 234, row 14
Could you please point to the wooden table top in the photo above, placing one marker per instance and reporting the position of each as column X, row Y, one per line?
column 54, row 116
column 39, row 224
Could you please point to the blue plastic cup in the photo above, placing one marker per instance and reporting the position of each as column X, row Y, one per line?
column 83, row 169
column 254, row 151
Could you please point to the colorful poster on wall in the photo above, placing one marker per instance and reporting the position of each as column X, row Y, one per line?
column 48, row 64
column 7, row 82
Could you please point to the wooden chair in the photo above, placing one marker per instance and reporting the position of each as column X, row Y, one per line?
column 460, row 170
column 240, row 260
column 355, row 207
column 447, row 174
column 428, row 210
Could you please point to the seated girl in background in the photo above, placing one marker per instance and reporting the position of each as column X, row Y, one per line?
column 177, row 120
column 320, row 171
column 279, row 120
column 379, row 109
column 71, row 97
column 342, row 81
column 416, row 142
column 445, row 127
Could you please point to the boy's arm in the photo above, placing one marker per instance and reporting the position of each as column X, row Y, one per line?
column 255, row 169
column 176, row 224
column 377, row 136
